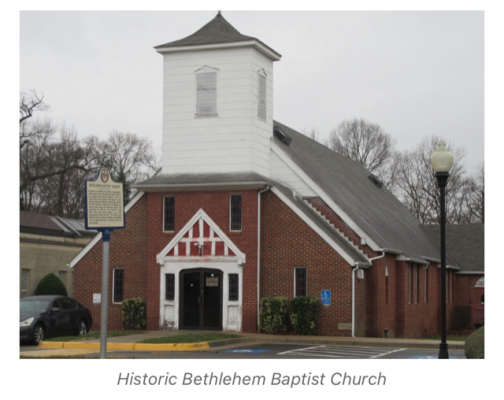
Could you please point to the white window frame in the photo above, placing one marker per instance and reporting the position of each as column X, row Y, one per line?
column 262, row 74
column 113, row 284
column 203, row 70
column 306, row 281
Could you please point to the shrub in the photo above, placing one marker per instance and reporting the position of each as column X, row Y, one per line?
column 461, row 317
column 273, row 314
column 303, row 312
column 51, row 284
column 479, row 324
column 133, row 313
column 475, row 344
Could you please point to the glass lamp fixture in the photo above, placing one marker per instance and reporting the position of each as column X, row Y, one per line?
column 441, row 159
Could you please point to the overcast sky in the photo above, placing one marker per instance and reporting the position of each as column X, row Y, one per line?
column 413, row 73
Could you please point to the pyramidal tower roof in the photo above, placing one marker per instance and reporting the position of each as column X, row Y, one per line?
column 217, row 32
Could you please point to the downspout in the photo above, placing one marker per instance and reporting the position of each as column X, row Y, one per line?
column 354, row 270
column 259, row 248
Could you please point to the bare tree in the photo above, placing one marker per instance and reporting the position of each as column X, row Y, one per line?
column 130, row 159
column 368, row 144
column 475, row 201
column 417, row 188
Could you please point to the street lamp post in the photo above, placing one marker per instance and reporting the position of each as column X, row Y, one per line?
column 442, row 161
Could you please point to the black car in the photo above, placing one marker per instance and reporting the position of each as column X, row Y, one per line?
column 46, row 316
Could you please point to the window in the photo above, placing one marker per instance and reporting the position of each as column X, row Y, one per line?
column 170, row 287
column 118, row 285
column 62, row 275
column 409, row 284
column 417, row 283
column 69, row 304
column 233, row 287
column 236, row 211
column 25, row 282
column 169, row 214
column 386, row 285
column 300, row 281
column 206, row 97
column 426, row 293
column 261, row 96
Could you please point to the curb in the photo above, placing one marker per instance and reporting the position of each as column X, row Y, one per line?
column 126, row 346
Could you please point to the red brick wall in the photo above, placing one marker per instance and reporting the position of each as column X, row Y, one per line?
column 127, row 250
column 288, row 242
column 216, row 205
column 339, row 224
column 465, row 294
column 135, row 249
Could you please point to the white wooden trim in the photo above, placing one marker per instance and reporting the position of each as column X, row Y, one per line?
column 176, row 267
column 312, row 225
column 324, row 196
column 200, row 215
column 254, row 43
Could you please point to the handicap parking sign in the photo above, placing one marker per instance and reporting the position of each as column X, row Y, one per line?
column 325, row 297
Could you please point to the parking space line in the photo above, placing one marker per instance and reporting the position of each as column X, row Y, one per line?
column 389, row 352
column 340, row 352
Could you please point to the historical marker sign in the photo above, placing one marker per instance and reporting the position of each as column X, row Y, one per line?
column 104, row 202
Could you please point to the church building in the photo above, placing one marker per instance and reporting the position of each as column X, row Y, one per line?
column 245, row 208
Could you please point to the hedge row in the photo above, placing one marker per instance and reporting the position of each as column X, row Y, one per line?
column 302, row 311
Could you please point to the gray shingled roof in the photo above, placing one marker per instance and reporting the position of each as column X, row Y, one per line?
column 32, row 222
column 465, row 244
column 375, row 210
column 218, row 30
column 164, row 180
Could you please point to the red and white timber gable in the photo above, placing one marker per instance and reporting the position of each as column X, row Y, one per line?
column 201, row 239
column 201, row 244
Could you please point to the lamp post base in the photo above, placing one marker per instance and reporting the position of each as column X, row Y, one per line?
column 443, row 350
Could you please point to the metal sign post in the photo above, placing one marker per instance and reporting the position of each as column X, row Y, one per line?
column 104, row 212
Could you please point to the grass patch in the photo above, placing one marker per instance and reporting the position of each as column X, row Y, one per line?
column 90, row 336
column 191, row 338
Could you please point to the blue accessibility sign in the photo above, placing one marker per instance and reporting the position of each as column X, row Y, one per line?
column 246, row 351
column 325, row 297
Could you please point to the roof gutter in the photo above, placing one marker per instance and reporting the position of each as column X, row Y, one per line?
column 198, row 185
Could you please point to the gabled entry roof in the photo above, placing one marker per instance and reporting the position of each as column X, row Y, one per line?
column 200, row 238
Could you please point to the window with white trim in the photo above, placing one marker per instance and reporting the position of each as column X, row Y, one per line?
column 261, row 95
column 299, row 281
column 118, row 285
column 206, row 93
column 233, row 287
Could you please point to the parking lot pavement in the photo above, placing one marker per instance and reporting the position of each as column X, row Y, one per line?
column 270, row 351
column 340, row 352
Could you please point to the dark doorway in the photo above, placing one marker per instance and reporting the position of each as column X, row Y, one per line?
column 201, row 299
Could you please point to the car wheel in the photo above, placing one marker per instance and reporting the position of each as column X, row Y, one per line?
column 82, row 328
column 38, row 334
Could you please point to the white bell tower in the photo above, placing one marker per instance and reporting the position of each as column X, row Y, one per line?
column 218, row 102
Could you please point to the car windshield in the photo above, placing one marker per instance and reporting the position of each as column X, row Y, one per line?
column 34, row 305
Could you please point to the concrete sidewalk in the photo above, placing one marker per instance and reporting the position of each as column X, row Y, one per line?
column 130, row 343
